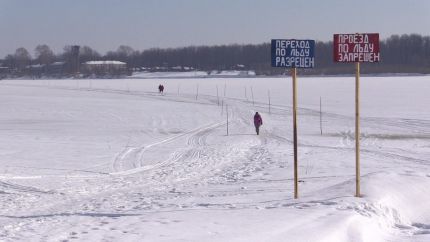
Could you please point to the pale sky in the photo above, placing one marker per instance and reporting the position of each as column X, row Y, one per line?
column 143, row 24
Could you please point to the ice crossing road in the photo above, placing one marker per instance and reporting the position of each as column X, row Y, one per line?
column 118, row 161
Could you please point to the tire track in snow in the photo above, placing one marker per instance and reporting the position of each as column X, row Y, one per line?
column 5, row 186
column 199, row 159
column 130, row 159
column 192, row 162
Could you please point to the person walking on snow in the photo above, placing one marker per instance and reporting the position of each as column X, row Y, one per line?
column 258, row 121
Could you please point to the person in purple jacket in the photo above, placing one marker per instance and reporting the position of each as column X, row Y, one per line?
column 258, row 121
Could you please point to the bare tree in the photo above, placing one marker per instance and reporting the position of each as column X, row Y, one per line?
column 126, row 54
column 22, row 58
column 86, row 53
column 44, row 54
column 125, row 50
column 69, row 58
column 10, row 61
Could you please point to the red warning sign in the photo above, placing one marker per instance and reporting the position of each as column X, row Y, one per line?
column 356, row 48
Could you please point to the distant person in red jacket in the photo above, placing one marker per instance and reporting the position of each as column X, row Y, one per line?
column 258, row 121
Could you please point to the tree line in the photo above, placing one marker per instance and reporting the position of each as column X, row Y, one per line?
column 399, row 54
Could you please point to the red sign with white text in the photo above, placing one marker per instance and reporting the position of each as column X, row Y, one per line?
column 356, row 48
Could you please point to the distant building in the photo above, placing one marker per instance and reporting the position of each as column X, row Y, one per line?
column 56, row 68
column 4, row 71
column 35, row 70
column 102, row 68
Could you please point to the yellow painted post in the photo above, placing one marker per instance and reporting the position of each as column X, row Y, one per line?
column 357, row 129
column 294, row 75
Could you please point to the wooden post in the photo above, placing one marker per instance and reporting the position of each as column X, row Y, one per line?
column 321, row 115
column 225, row 89
column 246, row 96
column 178, row 88
column 197, row 94
column 294, row 75
column 357, row 129
column 222, row 107
column 252, row 94
column 268, row 94
column 217, row 96
column 226, row 110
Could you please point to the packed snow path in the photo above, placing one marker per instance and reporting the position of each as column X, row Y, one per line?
column 113, row 160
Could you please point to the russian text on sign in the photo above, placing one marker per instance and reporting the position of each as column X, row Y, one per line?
column 356, row 48
column 293, row 53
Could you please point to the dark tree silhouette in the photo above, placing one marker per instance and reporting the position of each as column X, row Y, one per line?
column 399, row 54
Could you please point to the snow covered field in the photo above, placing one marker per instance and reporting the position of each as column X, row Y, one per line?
column 113, row 160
